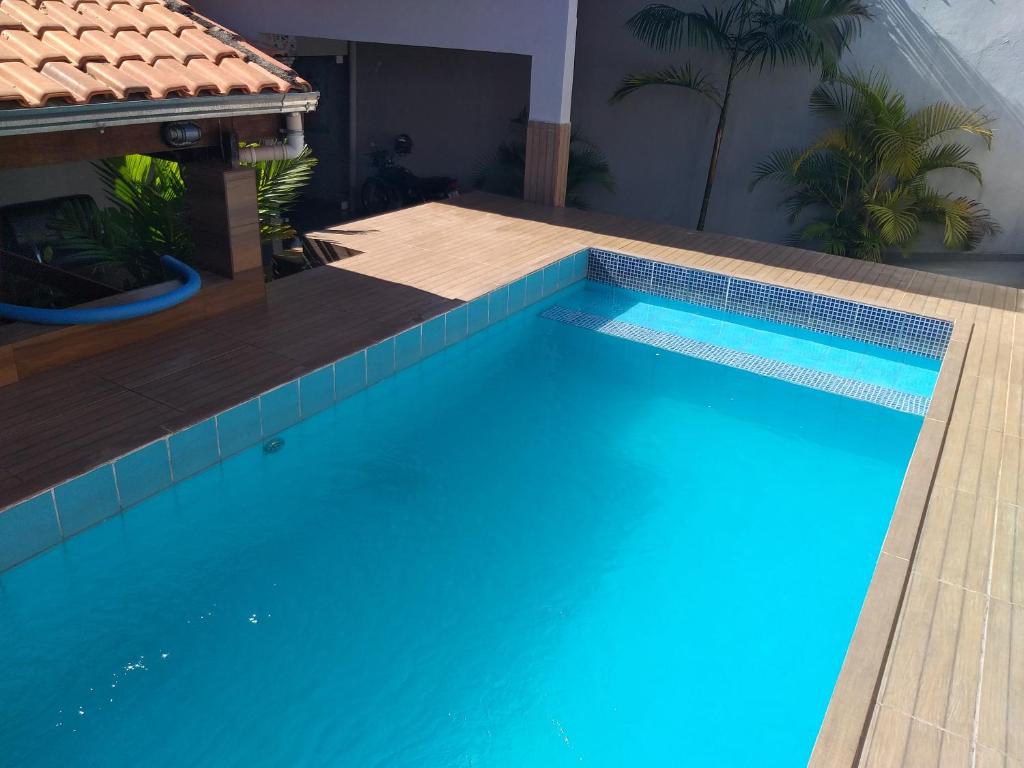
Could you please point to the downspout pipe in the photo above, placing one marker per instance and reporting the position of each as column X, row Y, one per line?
column 295, row 140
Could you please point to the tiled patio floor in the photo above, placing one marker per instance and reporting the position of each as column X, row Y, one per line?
column 952, row 693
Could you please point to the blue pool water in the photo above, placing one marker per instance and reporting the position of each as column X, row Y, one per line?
column 541, row 547
column 848, row 358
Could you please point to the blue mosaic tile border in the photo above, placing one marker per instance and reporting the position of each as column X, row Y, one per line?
column 763, row 366
column 40, row 522
column 875, row 325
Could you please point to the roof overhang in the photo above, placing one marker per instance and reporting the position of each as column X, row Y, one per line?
column 75, row 117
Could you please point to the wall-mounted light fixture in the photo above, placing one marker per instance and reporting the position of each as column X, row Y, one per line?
column 180, row 135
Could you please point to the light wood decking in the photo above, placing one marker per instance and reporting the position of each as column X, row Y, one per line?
column 952, row 693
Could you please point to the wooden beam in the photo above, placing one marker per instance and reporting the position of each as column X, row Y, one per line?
column 28, row 150
column 547, row 163
column 225, row 216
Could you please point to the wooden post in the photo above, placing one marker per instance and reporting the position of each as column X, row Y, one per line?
column 225, row 217
column 547, row 163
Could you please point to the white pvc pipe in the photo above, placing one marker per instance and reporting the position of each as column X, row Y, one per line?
column 294, row 142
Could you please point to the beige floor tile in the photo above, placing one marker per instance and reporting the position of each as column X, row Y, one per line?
column 1008, row 555
column 1001, row 715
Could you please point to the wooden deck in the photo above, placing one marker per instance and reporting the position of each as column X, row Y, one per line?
column 952, row 693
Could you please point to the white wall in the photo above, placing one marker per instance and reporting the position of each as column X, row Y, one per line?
column 658, row 141
column 542, row 29
column 22, row 185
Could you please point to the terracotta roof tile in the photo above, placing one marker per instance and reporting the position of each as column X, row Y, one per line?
column 7, row 53
column 229, row 84
column 8, row 22
column 83, row 87
column 161, row 84
column 34, row 52
column 78, row 51
column 254, row 77
column 31, row 88
column 33, row 20
column 124, row 84
column 129, row 14
column 180, row 48
column 114, row 49
column 110, row 20
column 211, row 47
column 161, row 18
column 71, row 22
column 141, row 46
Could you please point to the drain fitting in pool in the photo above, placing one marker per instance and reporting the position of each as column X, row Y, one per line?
column 273, row 445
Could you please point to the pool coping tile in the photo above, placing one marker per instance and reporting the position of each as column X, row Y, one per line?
column 193, row 449
column 316, row 391
column 350, row 375
column 279, row 408
column 87, row 499
column 27, row 529
column 408, row 348
column 843, row 731
column 239, row 428
column 142, row 473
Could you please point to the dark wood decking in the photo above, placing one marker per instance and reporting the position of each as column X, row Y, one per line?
column 63, row 422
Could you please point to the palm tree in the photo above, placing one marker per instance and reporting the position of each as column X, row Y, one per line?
column 279, row 184
column 865, row 180
column 753, row 35
column 504, row 171
column 147, row 218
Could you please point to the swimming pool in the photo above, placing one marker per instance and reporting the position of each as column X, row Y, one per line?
column 549, row 544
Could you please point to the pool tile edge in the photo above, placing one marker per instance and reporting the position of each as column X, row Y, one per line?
column 201, row 445
column 881, row 326
column 844, row 729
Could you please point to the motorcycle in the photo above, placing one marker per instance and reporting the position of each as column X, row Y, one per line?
column 393, row 186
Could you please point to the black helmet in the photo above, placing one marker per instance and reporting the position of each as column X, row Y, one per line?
column 403, row 144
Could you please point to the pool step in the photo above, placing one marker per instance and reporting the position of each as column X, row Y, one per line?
column 763, row 366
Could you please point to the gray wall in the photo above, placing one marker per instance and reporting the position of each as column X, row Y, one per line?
column 456, row 105
column 658, row 142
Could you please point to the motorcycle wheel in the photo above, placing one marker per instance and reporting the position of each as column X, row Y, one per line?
column 377, row 197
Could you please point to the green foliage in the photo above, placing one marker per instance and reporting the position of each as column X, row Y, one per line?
column 148, row 215
column 279, row 184
column 864, row 183
column 754, row 35
column 504, row 172
column 147, row 218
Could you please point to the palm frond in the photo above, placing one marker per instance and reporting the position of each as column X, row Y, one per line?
column 279, row 184
column 810, row 32
column 965, row 222
column 895, row 217
column 664, row 27
column 504, row 171
column 686, row 76
column 950, row 155
column 831, row 99
column 899, row 150
column 935, row 120
column 778, row 166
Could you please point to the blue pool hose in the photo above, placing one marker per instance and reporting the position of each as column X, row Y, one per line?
column 72, row 316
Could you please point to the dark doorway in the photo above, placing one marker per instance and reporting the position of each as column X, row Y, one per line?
column 326, row 200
